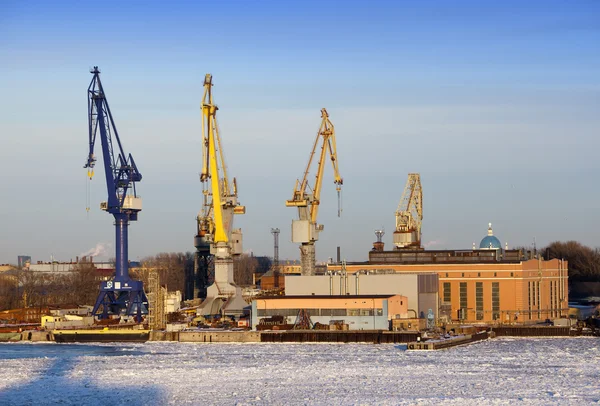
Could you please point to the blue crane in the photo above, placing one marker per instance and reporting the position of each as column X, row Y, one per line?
column 121, row 295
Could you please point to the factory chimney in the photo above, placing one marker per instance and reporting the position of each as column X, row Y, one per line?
column 339, row 256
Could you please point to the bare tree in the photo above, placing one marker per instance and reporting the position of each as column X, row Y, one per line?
column 9, row 291
column 84, row 284
column 244, row 266
column 171, row 267
column 584, row 262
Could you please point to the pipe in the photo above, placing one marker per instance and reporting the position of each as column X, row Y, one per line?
column 346, row 278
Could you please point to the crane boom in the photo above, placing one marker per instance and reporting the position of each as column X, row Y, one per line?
column 305, row 230
column 409, row 215
column 122, row 295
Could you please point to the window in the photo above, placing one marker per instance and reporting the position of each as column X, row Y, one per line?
column 529, row 298
column 446, row 274
column 463, row 295
column 512, row 274
column 479, row 300
column 478, row 274
column 463, row 274
column 495, row 274
column 447, row 292
column 551, row 300
column 538, row 301
column 495, row 300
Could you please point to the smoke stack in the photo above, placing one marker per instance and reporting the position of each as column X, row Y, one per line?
column 339, row 256
column 76, row 260
column 378, row 245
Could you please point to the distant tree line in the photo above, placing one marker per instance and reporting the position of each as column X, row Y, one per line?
column 20, row 288
column 174, row 266
column 23, row 288
column 584, row 262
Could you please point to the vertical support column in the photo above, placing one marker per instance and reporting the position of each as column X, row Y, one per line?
column 275, row 232
column 122, row 255
column 307, row 259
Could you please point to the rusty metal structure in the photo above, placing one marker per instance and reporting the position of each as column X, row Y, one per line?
column 156, row 299
column 303, row 321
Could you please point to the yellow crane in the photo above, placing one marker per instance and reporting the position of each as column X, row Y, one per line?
column 305, row 230
column 215, row 221
column 409, row 215
column 219, row 194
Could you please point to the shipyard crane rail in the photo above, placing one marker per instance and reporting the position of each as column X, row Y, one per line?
column 409, row 215
column 121, row 295
column 305, row 230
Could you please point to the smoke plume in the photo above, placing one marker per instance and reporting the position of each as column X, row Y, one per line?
column 433, row 243
column 100, row 249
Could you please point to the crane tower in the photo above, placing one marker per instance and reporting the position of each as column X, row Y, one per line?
column 305, row 230
column 215, row 221
column 409, row 215
column 121, row 295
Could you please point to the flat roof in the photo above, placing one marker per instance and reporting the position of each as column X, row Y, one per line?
column 328, row 297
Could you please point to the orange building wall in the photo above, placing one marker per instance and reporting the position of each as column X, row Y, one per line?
column 518, row 283
column 396, row 304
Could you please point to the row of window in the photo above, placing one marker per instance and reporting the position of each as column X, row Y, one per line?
column 533, row 293
column 534, row 298
column 320, row 312
column 479, row 298
column 479, row 274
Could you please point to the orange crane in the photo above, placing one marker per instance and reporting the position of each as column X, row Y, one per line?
column 305, row 230
column 409, row 215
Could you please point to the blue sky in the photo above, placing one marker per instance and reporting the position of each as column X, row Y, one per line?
column 496, row 105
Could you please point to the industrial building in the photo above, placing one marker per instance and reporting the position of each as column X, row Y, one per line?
column 485, row 285
column 420, row 290
column 358, row 312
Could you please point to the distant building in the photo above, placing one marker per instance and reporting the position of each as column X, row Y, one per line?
column 105, row 270
column 420, row 290
column 486, row 285
column 490, row 242
column 23, row 261
column 363, row 312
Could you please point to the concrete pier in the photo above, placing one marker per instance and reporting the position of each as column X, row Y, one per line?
column 450, row 342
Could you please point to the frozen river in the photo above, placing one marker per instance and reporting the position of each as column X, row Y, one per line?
column 501, row 371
